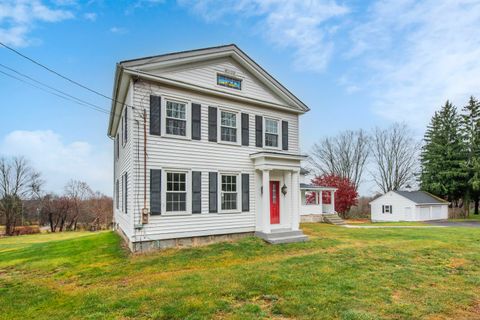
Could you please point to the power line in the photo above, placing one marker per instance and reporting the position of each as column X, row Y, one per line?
column 61, row 94
column 60, row 75
column 54, row 89
column 55, row 94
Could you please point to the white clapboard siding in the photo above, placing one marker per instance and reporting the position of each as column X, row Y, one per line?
column 122, row 165
column 205, row 74
column 196, row 155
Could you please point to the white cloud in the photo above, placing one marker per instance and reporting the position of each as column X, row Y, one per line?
column 304, row 26
column 18, row 17
column 59, row 161
column 118, row 30
column 417, row 54
column 92, row 16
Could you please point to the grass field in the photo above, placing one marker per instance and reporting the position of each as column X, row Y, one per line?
column 340, row 274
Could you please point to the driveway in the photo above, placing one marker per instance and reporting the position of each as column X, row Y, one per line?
column 446, row 223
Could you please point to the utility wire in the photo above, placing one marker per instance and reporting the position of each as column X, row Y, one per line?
column 54, row 89
column 55, row 94
column 61, row 76
column 60, row 94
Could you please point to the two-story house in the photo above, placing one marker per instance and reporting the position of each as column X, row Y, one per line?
column 206, row 147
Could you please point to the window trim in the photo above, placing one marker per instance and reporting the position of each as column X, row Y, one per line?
column 279, row 133
column 219, row 125
column 188, row 192
column 219, row 192
column 188, row 115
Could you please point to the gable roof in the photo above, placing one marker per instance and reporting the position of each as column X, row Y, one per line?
column 421, row 197
column 140, row 67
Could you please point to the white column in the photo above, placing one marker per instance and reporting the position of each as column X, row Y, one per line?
column 266, row 201
column 320, row 200
column 332, row 200
column 295, row 202
column 289, row 196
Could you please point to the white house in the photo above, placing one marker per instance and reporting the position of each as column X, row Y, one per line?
column 206, row 148
column 408, row 206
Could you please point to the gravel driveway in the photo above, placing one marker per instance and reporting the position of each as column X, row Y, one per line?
column 445, row 223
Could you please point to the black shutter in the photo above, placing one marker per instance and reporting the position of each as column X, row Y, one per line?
column 123, row 136
column 245, row 129
column 155, row 191
column 212, row 192
column 212, row 124
column 196, row 120
column 259, row 131
column 126, row 192
column 245, row 192
column 117, row 192
column 117, row 145
column 126, row 124
column 196, row 192
column 285, row 135
column 155, row 112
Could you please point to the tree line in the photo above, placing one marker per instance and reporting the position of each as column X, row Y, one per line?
column 446, row 163
column 450, row 157
column 23, row 201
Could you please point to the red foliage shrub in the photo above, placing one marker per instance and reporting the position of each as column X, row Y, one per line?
column 346, row 195
column 26, row 230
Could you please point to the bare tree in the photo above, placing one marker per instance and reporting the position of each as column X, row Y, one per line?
column 394, row 152
column 55, row 211
column 100, row 209
column 18, row 181
column 344, row 155
column 77, row 192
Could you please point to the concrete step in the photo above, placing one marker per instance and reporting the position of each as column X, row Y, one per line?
column 301, row 238
column 333, row 219
column 278, row 237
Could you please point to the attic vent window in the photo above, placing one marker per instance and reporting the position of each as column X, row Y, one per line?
column 229, row 82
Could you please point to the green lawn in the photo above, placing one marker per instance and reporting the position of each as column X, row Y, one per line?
column 340, row 274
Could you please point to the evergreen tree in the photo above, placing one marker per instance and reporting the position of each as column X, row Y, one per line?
column 471, row 137
column 443, row 156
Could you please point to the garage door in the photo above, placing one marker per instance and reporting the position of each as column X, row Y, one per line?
column 436, row 212
column 424, row 213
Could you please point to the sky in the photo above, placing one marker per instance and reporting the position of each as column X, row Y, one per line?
column 356, row 64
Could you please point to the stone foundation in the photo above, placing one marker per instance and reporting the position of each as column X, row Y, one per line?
column 146, row 246
column 311, row 218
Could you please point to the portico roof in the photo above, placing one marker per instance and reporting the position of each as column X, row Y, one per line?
column 305, row 186
column 274, row 160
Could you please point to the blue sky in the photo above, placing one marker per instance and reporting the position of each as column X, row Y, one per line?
column 357, row 64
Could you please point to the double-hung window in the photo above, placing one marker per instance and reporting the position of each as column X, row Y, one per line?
column 229, row 192
column 176, row 192
column 228, row 126
column 271, row 133
column 176, row 118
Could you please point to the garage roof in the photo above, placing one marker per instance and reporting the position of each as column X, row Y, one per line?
column 421, row 197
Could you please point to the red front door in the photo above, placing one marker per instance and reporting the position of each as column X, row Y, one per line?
column 274, row 202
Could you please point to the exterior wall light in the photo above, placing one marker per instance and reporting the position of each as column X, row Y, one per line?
column 284, row 189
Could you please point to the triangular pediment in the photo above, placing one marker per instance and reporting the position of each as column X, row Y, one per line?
column 205, row 74
column 201, row 68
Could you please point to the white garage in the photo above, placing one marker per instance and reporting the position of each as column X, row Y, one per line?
column 408, row 206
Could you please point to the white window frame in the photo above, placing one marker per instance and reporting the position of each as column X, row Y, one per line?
column 219, row 125
column 188, row 115
column 220, row 192
column 279, row 133
column 385, row 207
column 188, row 191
